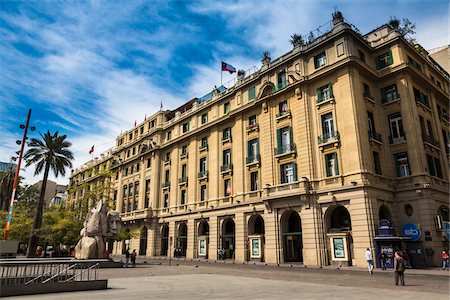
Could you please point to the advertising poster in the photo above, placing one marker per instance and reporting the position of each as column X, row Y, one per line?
column 339, row 251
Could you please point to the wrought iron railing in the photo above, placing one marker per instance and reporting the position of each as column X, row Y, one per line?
column 253, row 159
column 284, row 149
column 329, row 137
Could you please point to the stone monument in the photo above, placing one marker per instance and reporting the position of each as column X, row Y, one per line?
column 98, row 225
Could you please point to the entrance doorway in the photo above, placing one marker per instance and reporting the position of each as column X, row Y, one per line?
column 291, row 228
column 227, row 238
column 164, row 240
column 143, row 241
column 181, row 241
column 203, row 239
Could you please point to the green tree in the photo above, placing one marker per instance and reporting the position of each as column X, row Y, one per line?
column 6, row 187
column 296, row 40
column 49, row 153
column 21, row 224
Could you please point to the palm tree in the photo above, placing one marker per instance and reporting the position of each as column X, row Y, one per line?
column 296, row 40
column 6, row 185
column 49, row 153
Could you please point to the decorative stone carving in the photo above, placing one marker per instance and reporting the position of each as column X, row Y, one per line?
column 98, row 224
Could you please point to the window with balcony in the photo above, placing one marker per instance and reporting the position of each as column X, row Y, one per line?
column 328, row 133
column 204, row 144
column 149, row 162
column 283, row 109
column 373, row 134
column 136, row 196
column 254, row 183
column 324, row 93
column 166, row 200
column 288, row 172
column 183, row 197
column 204, row 118
column 252, row 151
column 414, row 63
column 227, row 187
column 202, row 168
column 367, row 93
column 434, row 166
column 226, row 134
column 421, row 97
column 320, row 60
column 396, row 129
column 384, row 60
column 183, row 178
column 184, row 151
column 167, row 158
column 203, row 193
column 389, row 94
column 281, row 81
column 331, row 164
column 402, row 165
column 226, row 108
column 251, row 93
column 185, row 127
column 377, row 163
column 226, row 161
column 147, row 195
column 284, row 141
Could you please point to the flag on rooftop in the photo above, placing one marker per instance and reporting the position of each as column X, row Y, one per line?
column 92, row 150
column 227, row 67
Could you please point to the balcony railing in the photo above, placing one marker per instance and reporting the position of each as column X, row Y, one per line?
column 202, row 174
column 226, row 138
column 423, row 100
column 369, row 97
column 253, row 159
column 392, row 98
column 373, row 135
column 430, row 140
column 226, row 168
column 397, row 140
column 165, row 185
column 279, row 86
column 252, row 127
column 167, row 161
column 285, row 149
column 329, row 137
column 284, row 114
column 444, row 116
column 182, row 180
column 183, row 155
column 203, row 147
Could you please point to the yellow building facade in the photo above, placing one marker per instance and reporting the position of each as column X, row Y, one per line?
column 337, row 146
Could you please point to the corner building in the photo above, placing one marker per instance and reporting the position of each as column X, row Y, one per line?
column 323, row 152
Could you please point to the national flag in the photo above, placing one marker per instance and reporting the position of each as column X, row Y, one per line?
column 92, row 150
column 227, row 67
column 161, row 107
column 135, row 123
column 145, row 118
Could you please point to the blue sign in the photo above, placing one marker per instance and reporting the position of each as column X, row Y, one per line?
column 412, row 231
column 447, row 229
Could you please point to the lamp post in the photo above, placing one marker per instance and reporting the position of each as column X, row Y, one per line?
column 16, row 178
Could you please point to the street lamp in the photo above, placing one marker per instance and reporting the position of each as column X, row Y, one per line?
column 16, row 178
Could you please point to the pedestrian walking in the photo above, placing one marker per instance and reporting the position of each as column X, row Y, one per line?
column 369, row 259
column 399, row 268
column 444, row 260
column 383, row 259
column 407, row 259
column 127, row 257
column 133, row 258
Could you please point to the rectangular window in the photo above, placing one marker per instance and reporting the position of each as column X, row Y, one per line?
column 251, row 93
column 166, row 200
column 377, row 163
column 169, row 135
column 396, row 128
column 366, row 90
column 184, row 171
column 204, row 118
column 281, row 78
column 252, row 121
column 149, row 162
column 185, row 127
column 328, row 126
column 252, row 151
column 320, row 60
column 402, row 165
column 324, row 93
column 134, row 150
column 126, row 171
column 203, row 164
column 227, row 187
column 167, row 176
column 226, row 157
column 204, row 143
column 184, row 150
column 362, row 56
column 147, row 191
column 446, row 144
column 183, row 197
column 137, row 167
column 389, row 94
column 331, row 164
column 384, row 60
column 284, row 140
column 421, row 97
column 203, row 193
column 131, row 169
column 254, row 185
column 288, row 172
column 226, row 134
column 283, row 107
column 434, row 166
column 226, row 108
column 414, row 63
column 136, row 195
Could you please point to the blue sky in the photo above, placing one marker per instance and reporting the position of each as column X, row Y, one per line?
column 89, row 69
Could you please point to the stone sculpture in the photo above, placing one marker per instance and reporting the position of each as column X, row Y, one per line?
column 98, row 224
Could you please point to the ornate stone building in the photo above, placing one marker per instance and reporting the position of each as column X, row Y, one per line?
column 336, row 146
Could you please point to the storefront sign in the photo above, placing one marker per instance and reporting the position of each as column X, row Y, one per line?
column 412, row 231
column 339, row 251
column 201, row 247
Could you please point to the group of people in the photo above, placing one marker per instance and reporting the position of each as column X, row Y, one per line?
column 399, row 264
column 127, row 255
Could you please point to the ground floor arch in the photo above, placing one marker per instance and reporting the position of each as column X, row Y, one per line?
column 202, row 239
column 227, row 238
column 181, row 246
column 256, row 238
column 291, row 236
column 339, row 235
column 143, row 241
column 164, row 240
